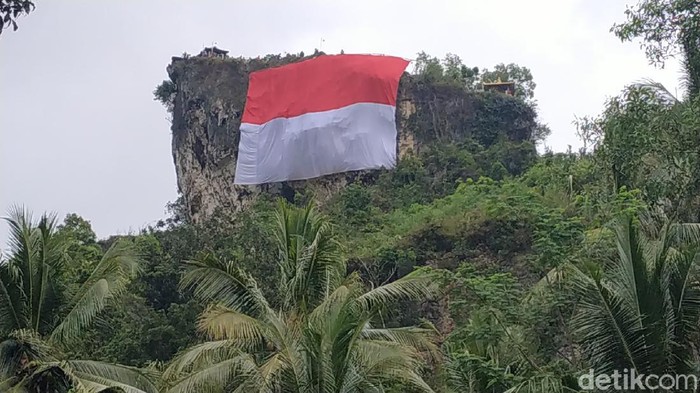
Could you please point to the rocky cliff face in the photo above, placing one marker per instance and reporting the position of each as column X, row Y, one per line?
column 207, row 100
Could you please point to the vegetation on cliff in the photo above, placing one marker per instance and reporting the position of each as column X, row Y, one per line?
column 476, row 265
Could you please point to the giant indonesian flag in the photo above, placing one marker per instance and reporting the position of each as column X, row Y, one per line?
column 326, row 115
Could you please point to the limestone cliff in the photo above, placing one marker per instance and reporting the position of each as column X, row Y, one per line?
column 207, row 96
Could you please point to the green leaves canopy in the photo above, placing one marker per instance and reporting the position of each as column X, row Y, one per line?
column 39, row 320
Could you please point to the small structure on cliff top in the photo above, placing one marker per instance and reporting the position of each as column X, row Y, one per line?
column 214, row 52
column 500, row 87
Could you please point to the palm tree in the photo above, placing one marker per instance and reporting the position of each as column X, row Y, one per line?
column 640, row 310
column 325, row 336
column 39, row 320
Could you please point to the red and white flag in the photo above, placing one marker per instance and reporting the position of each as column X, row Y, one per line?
column 320, row 116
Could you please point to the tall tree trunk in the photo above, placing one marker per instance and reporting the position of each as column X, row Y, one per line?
column 691, row 50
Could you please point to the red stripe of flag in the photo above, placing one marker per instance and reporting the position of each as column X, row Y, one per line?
column 321, row 84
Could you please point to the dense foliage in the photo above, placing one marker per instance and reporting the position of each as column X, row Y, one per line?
column 10, row 10
column 475, row 265
column 667, row 28
column 42, row 315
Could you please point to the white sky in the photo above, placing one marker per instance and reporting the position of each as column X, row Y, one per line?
column 80, row 132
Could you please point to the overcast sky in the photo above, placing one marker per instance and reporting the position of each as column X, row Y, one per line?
column 80, row 132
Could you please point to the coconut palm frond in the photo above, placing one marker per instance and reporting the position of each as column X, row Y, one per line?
column 221, row 323
column 382, row 361
column 311, row 258
column 332, row 306
column 45, row 377
column 319, row 269
column 108, row 281
column 640, row 310
column 269, row 372
column 35, row 254
column 684, row 291
column 212, row 377
column 420, row 338
column 222, row 282
column 374, row 356
column 417, row 285
column 79, row 377
column 200, row 355
column 608, row 325
column 553, row 279
column 97, row 376
column 684, row 234
column 412, row 379
column 19, row 348
column 659, row 90
column 12, row 306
